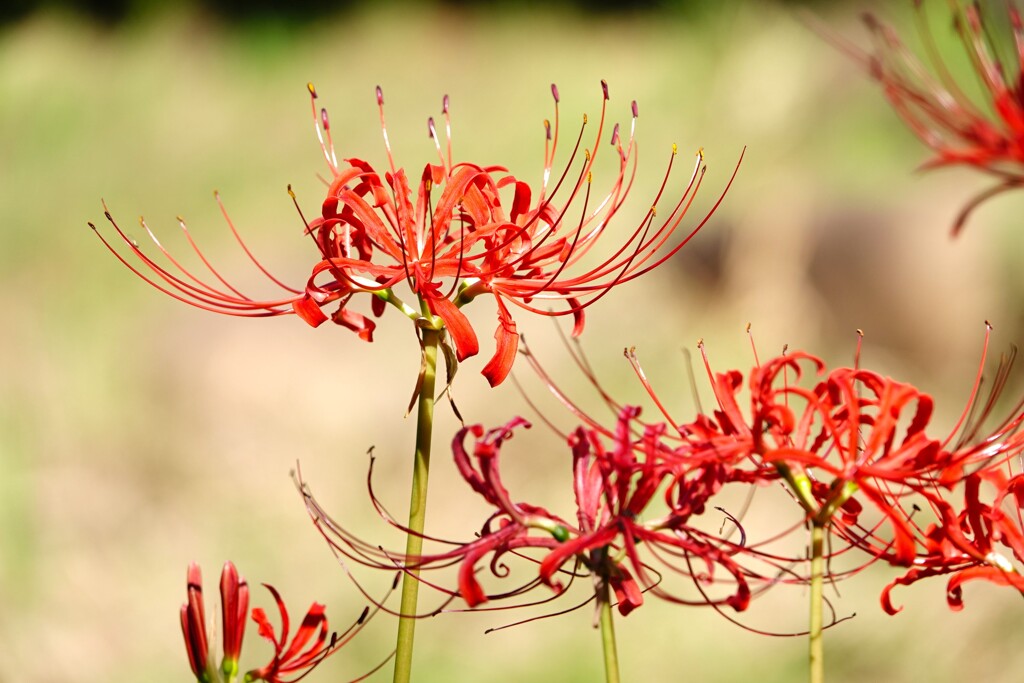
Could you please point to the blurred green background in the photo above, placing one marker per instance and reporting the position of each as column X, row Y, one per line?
column 138, row 434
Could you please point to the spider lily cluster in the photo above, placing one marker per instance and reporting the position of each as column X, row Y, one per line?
column 853, row 450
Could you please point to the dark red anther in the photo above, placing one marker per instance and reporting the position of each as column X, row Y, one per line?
column 324, row 119
column 380, row 96
column 636, row 110
column 615, row 135
column 444, row 105
column 554, row 92
column 604, row 87
column 430, row 127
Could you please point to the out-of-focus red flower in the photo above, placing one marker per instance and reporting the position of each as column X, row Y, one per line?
column 454, row 232
column 637, row 503
column 985, row 132
column 295, row 660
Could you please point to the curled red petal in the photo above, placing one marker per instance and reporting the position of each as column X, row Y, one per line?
column 507, row 339
column 357, row 322
column 309, row 311
column 466, row 343
column 627, row 591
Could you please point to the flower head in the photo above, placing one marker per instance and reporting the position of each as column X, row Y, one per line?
column 312, row 643
column 638, row 506
column 987, row 132
column 456, row 231
column 855, row 439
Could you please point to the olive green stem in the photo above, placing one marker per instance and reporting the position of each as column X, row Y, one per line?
column 417, row 508
column 611, row 656
column 816, row 644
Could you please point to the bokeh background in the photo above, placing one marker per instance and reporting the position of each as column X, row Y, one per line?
column 138, row 434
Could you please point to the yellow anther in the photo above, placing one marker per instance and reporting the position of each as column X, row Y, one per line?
column 312, row 90
column 654, row 211
column 675, row 148
column 584, row 119
column 590, row 176
column 586, row 154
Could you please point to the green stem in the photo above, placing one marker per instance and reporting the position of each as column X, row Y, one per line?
column 817, row 645
column 611, row 657
column 417, row 508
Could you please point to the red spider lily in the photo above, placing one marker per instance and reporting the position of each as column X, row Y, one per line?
column 459, row 231
column 967, row 543
column 856, row 436
column 235, row 608
column 988, row 134
column 615, row 481
column 293, row 659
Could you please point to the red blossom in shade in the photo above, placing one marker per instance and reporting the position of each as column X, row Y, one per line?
column 970, row 542
column 620, row 476
column 298, row 659
column 960, row 129
column 456, row 231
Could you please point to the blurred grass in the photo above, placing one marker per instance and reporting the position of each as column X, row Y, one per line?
column 137, row 434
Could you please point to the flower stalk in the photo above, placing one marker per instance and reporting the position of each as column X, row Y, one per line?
column 611, row 656
column 816, row 644
column 417, row 505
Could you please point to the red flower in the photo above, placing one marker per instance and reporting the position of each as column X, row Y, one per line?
column 968, row 543
column 234, row 593
column 617, row 474
column 456, row 232
column 856, row 437
column 987, row 135
column 293, row 659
